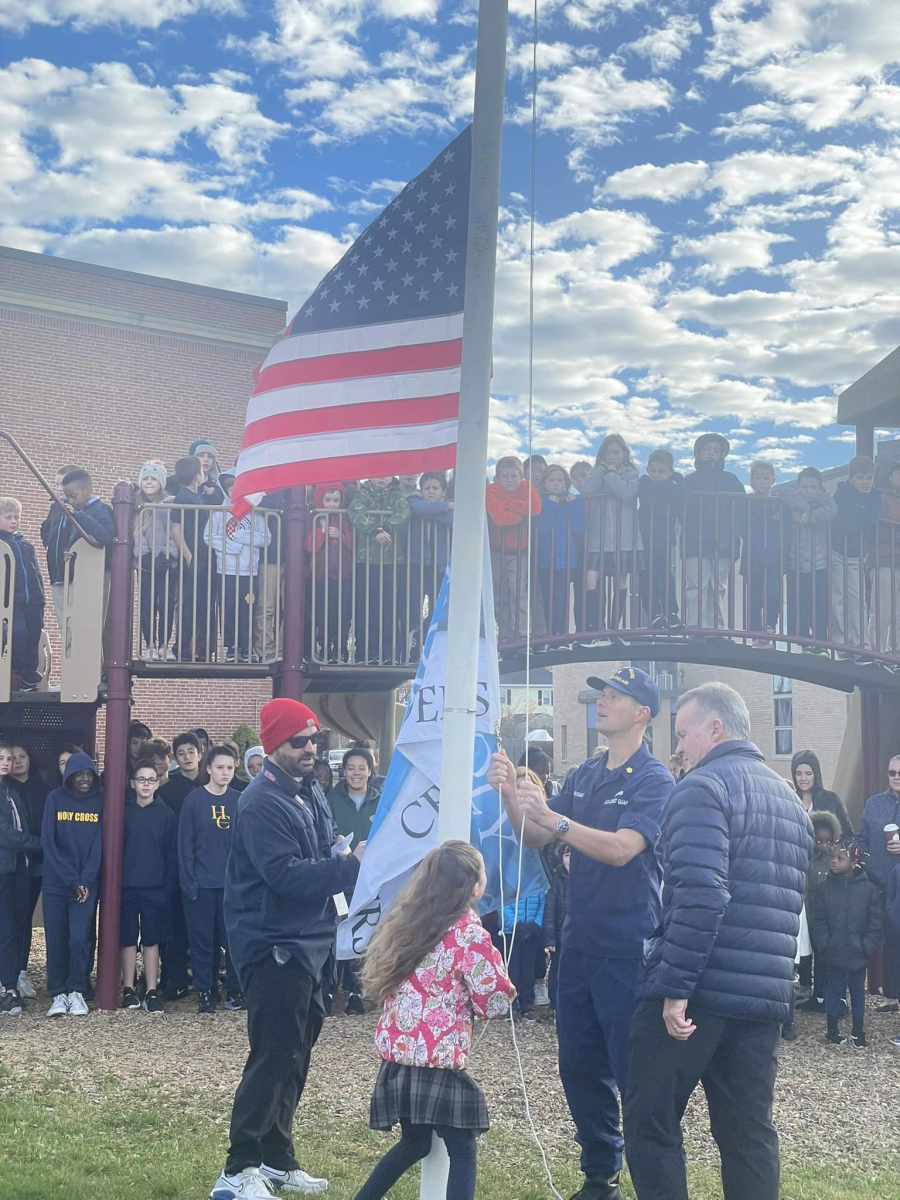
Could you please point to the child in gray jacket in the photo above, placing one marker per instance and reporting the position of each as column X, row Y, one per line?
column 806, row 557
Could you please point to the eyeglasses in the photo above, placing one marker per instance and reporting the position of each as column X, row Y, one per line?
column 146, row 779
column 299, row 740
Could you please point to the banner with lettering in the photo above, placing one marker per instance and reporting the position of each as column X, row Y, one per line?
column 405, row 827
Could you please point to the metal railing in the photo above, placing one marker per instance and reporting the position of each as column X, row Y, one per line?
column 208, row 588
column 371, row 597
column 698, row 565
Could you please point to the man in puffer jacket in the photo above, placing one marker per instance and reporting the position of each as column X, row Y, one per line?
column 717, row 981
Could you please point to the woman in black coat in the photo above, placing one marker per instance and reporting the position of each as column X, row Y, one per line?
column 806, row 773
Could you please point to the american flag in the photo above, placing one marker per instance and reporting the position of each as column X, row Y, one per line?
column 366, row 380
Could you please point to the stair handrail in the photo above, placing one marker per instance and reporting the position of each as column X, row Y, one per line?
column 67, row 509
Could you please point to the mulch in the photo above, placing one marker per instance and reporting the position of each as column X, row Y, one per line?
column 832, row 1103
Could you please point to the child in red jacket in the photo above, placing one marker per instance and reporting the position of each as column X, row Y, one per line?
column 330, row 545
column 511, row 502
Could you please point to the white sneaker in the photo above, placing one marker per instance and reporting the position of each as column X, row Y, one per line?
column 77, row 1006
column 541, row 995
column 26, row 987
column 294, row 1181
column 59, row 1007
column 248, row 1184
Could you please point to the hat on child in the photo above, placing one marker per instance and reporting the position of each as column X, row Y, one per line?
column 630, row 681
column 153, row 470
column 280, row 719
column 666, row 457
column 203, row 446
column 322, row 488
column 712, row 437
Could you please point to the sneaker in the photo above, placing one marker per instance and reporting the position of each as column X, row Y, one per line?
column 541, row 995
column 895, row 1041
column 152, row 1002
column 596, row 1188
column 788, row 1033
column 293, row 1181
column 528, row 1014
column 130, row 998
column 355, row 1006
column 26, row 987
column 887, row 1006
column 858, row 1040
column 248, row 1184
column 813, row 1004
column 234, row 1002
column 11, row 1002
column 175, row 993
column 660, row 622
column 207, row 1005
column 59, row 1007
column 77, row 1006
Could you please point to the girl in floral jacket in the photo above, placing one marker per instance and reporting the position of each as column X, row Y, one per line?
column 433, row 965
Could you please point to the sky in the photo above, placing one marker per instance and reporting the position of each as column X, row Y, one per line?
column 717, row 236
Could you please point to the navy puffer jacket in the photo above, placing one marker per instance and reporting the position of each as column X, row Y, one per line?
column 736, row 846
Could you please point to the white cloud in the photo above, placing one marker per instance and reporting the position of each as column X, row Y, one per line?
column 672, row 182
column 18, row 15
column 731, row 250
column 592, row 103
column 666, row 44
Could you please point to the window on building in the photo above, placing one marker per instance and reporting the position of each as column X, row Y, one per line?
column 783, row 701
column 507, row 698
column 545, row 697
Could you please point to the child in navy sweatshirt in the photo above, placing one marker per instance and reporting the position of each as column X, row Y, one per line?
column 28, row 600
column 762, row 558
column 204, row 840
column 852, row 537
column 661, row 504
column 149, row 877
column 70, row 839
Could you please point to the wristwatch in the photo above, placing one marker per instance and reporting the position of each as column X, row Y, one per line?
column 562, row 826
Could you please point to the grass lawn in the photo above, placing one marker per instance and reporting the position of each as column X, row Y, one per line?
column 121, row 1143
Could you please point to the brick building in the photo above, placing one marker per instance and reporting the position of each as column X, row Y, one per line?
column 108, row 368
column 786, row 715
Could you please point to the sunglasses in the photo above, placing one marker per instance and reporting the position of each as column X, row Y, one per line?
column 299, row 740
column 893, row 774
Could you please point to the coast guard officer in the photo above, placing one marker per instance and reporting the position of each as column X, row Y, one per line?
column 609, row 813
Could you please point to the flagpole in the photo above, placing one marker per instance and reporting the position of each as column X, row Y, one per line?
column 465, row 601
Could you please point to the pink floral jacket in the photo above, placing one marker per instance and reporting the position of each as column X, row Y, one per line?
column 428, row 1021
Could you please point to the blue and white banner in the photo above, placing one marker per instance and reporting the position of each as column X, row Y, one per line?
column 405, row 827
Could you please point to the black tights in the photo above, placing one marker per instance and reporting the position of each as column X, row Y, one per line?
column 414, row 1145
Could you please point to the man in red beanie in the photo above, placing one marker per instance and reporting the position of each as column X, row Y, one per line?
column 283, row 872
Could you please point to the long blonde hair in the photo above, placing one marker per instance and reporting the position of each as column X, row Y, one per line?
column 439, row 892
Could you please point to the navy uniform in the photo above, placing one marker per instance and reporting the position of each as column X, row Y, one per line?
column 611, row 912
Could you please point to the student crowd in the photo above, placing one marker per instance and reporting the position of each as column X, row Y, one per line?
column 596, row 541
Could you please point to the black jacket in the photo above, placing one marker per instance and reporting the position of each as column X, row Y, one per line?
column 179, row 787
column 555, row 907
column 845, row 921
column 58, row 533
column 736, row 846
column 33, row 794
column 826, row 801
column 712, row 523
column 29, row 584
column 149, row 857
column 281, row 877
column 14, row 842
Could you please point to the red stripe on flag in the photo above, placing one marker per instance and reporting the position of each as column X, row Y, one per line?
column 396, row 360
column 381, row 414
column 358, row 466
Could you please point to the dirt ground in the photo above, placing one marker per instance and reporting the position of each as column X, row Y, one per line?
column 832, row 1102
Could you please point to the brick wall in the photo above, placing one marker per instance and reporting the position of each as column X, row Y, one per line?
column 110, row 397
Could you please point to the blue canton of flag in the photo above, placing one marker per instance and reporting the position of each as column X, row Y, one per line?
column 411, row 261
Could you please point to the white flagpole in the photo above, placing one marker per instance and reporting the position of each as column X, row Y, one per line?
column 465, row 602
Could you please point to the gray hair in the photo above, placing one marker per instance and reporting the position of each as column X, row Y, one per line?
column 719, row 700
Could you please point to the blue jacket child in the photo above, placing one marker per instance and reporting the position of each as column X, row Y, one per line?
column 853, row 529
column 71, row 841
column 560, row 532
column 660, row 510
column 711, row 525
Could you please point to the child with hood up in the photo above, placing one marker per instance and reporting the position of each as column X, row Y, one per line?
column 70, row 839
column 330, row 546
column 710, row 532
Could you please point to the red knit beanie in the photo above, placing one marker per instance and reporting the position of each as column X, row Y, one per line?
column 280, row 719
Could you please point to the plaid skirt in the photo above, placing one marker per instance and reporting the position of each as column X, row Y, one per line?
column 427, row 1096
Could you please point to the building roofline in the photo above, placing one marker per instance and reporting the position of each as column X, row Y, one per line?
column 177, row 285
